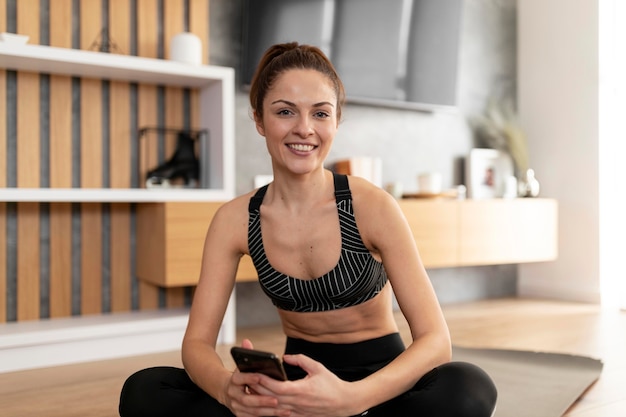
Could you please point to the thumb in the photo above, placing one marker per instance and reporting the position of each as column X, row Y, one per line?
column 310, row 366
column 246, row 343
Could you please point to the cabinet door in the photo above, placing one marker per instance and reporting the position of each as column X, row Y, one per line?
column 507, row 231
column 435, row 228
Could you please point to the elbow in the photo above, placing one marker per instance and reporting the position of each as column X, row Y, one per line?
column 443, row 347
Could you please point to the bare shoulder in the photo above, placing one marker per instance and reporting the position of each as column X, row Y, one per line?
column 377, row 212
column 369, row 198
column 235, row 209
column 230, row 222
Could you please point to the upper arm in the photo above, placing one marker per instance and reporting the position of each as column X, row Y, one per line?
column 385, row 229
column 225, row 243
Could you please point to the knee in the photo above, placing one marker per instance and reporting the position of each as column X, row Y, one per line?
column 474, row 391
column 140, row 390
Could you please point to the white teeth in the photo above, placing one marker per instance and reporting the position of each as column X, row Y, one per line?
column 301, row 147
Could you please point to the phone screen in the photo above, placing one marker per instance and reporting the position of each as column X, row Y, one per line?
column 267, row 363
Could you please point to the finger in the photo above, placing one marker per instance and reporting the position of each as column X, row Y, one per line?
column 307, row 364
column 246, row 343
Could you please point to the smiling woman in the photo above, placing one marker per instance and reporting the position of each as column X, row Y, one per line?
column 301, row 120
column 327, row 249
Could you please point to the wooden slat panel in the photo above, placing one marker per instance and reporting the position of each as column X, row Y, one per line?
column 28, row 162
column 120, row 164
column 60, row 260
column 60, row 131
column 28, row 102
column 173, row 22
column 147, row 41
column 91, row 167
column 61, row 167
column 61, row 23
column 91, row 133
column 119, row 140
column 3, row 170
column 120, row 257
column 147, row 25
column 61, row 100
column 199, row 24
column 28, row 261
column 28, row 129
column 91, row 259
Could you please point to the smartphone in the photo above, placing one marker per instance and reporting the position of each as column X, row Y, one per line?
column 250, row 360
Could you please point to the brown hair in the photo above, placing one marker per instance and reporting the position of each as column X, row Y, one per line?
column 282, row 57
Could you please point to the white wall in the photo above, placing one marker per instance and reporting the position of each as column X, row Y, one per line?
column 558, row 90
column 612, row 151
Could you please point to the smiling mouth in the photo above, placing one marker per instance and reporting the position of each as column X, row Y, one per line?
column 300, row 147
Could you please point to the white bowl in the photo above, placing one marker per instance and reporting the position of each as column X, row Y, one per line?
column 13, row 38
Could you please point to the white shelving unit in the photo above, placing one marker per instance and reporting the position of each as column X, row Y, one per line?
column 217, row 103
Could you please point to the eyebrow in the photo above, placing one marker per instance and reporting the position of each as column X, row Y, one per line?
column 289, row 103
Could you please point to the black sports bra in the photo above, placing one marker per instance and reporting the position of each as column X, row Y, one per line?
column 356, row 278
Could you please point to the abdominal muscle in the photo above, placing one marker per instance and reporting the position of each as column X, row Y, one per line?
column 371, row 319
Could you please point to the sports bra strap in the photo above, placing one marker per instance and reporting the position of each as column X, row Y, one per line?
column 342, row 189
column 257, row 199
column 342, row 192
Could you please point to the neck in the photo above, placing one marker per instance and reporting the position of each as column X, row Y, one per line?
column 298, row 191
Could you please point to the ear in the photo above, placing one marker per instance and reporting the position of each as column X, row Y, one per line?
column 258, row 122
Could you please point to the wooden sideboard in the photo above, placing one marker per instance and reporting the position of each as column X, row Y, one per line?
column 448, row 233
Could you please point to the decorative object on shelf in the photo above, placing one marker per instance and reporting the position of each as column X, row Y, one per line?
column 104, row 43
column 529, row 185
column 486, row 173
column 499, row 129
column 510, row 187
column 186, row 48
column 184, row 164
column 13, row 38
column 430, row 182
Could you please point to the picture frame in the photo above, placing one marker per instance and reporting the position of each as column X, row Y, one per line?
column 486, row 173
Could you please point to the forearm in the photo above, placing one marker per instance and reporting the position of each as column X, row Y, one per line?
column 399, row 376
column 205, row 368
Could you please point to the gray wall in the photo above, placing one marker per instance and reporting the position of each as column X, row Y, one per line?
column 409, row 142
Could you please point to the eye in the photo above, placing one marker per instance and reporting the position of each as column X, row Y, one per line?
column 284, row 112
column 322, row 114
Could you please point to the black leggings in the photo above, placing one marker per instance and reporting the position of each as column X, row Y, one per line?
column 454, row 389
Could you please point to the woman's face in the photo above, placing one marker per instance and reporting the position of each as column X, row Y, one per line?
column 299, row 120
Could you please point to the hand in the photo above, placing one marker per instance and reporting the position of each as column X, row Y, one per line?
column 244, row 400
column 320, row 393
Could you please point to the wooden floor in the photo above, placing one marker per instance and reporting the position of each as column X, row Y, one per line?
column 92, row 389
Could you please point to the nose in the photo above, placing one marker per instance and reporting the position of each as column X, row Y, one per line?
column 303, row 127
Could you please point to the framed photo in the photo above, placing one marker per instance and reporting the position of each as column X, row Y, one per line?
column 486, row 173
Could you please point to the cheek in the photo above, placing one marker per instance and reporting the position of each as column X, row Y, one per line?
column 329, row 133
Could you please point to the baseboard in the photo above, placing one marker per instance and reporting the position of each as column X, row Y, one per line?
column 45, row 343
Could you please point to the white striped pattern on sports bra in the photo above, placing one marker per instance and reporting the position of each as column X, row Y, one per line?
column 356, row 278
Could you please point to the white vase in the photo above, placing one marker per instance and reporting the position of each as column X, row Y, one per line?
column 187, row 48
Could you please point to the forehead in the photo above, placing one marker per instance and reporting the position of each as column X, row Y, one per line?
column 303, row 83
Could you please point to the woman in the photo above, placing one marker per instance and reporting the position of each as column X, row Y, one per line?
column 328, row 250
